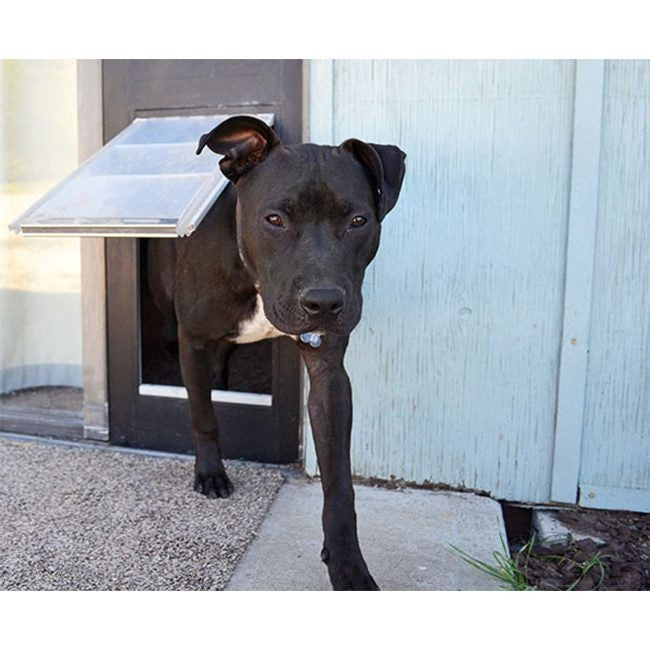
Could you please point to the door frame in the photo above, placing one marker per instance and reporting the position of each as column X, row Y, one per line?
column 255, row 432
column 90, row 135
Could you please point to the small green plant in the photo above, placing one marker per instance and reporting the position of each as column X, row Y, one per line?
column 594, row 562
column 511, row 571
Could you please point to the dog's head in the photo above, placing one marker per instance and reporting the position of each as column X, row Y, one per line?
column 308, row 219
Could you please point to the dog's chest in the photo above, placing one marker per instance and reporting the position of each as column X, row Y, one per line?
column 256, row 327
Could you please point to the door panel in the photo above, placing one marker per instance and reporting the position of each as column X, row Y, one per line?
column 262, row 432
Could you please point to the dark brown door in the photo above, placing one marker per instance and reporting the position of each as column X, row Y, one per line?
column 259, row 413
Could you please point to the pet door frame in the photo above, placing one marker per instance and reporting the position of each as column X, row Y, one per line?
column 255, row 431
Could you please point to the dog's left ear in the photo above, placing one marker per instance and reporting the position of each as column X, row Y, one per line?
column 385, row 165
column 243, row 140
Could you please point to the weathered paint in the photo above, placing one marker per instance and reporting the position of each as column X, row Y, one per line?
column 511, row 286
column 455, row 363
column 583, row 213
column 616, row 437
column 614, row 498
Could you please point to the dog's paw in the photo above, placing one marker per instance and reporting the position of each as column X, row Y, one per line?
column 348, row 574
column 215, row 485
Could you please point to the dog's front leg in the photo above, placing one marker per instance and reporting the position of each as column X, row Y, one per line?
column 330, row 414
column 209, row 473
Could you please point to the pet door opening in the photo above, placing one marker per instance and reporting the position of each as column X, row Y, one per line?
column 248, row 374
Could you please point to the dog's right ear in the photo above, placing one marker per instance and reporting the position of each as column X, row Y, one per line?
column 244, row 141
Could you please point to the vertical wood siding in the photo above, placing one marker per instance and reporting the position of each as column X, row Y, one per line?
column 578, row 278
column 616, row 437
column 454, row 365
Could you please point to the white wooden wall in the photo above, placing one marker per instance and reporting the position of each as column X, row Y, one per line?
column 615, row 465
column 455, row 364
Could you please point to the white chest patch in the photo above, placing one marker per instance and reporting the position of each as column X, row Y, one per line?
column 257, row 327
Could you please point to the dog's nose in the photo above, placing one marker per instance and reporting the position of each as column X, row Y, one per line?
column 322, row 302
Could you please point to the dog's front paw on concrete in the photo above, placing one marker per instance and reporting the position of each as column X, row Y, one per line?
column 348, row 573
column 214, row 485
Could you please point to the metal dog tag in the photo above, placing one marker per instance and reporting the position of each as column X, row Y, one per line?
column 311, row 338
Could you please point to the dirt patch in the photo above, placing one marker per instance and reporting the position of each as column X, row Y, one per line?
column 621, row 562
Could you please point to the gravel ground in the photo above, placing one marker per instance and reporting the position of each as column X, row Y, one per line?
column 79, row 519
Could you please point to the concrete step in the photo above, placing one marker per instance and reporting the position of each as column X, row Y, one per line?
column 550, row 530
column 405, row 536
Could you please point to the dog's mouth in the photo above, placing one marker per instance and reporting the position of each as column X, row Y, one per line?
column 294, row 323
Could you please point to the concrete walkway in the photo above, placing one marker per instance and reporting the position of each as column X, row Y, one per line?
column 87, row 516
column 405, row 536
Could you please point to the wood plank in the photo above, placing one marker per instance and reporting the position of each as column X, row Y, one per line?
column 615, row 498
column 583, row 212
column 616, row 443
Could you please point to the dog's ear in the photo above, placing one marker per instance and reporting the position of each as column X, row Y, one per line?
column 386, row 168
column 244, row 141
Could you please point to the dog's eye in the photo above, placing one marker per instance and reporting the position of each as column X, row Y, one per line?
column 275, row 220
column 358, row 221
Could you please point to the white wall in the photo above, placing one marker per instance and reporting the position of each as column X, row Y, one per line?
column 40, row 309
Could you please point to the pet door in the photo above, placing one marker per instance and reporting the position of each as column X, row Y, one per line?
column 148, row 183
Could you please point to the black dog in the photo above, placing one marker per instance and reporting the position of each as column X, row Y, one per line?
column 283, row 252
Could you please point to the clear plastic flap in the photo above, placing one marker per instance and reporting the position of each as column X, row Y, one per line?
column 146, row 182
